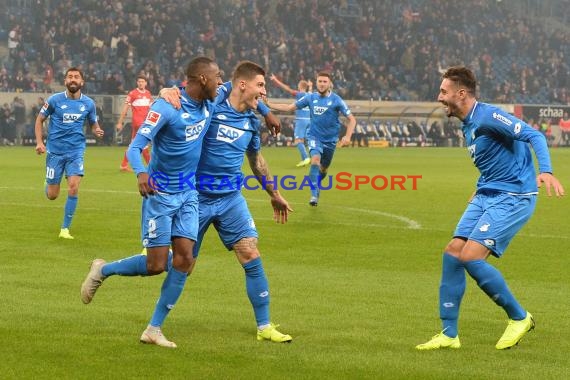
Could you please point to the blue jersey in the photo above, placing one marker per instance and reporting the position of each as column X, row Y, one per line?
column 176, row 137
column 302, row 113
column 324, row 113
column 66, row 119
column 230, row 135
column 498, row 145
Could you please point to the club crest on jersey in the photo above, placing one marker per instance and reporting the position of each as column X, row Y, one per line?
column 228, row 134
column 82, row 108
column 152, row 118
column 193, row 131
column 484, row 227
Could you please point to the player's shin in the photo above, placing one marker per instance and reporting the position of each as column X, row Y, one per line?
column 451, row 290
column 257, row 289
column 171, row 290
column 314, row 176
column 492, row 282
column 130, row 266
column 70, row 207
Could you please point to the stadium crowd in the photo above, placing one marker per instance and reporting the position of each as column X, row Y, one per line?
column 388, row 50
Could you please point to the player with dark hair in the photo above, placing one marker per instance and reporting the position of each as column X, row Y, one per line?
column 67, row 112
column 503, row 202
column 139, row 101
column 170, row 204
column 325, row 107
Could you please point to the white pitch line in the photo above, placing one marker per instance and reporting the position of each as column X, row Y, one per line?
column 411, row 224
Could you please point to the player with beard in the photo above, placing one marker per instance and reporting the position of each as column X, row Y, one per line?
column 504, row 200
column 67, row 112
column 322, row 136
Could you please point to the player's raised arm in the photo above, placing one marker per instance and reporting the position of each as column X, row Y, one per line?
column 282, row 107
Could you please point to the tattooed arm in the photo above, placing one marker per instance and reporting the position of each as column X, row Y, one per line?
column 260, row 169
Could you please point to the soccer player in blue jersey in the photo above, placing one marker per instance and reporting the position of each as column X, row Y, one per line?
column 170, row 204
column 67, row 112
column 302, row 116
column 325, row 107
column 503, row 202
column 235, row 131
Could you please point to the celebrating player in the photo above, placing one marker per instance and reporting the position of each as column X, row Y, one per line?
column 503, row 202
column 324, row 106
column 67, row 112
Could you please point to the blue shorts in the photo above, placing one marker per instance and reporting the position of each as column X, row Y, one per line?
column 493, row 219
column 57, row 164
column 229, row 214
column 301, row 127
column 165, row 216
column 323, row 149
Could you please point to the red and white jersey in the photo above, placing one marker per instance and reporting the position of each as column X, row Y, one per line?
column 140, row 102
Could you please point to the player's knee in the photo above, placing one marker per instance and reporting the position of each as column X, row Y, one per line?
column 455, row 246
column 51, row 197
column 155, row 268
column 246, row 249
column 73, row 190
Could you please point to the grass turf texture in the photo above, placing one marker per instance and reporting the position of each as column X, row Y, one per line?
column 354, row 281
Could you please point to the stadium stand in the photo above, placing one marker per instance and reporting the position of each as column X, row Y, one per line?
column 388, row 50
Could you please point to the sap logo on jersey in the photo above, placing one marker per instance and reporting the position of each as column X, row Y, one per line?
column 193, row 131
column 71, row 117
column 319, row 110
column 228, row 134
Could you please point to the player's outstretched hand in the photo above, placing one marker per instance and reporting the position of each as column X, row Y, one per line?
column 99, row 132
column 146, row 187
column 40, row 148
column 550, row 182
column 281, row 208
column 344, row 141
column 273, row 123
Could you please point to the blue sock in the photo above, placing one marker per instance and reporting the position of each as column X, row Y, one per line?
column 171, row 289
column 314, row 176
column 70, row 206
column 302, row 151
column 493, row 284
column 451, row 292
column 130, row 266
column 257, row 290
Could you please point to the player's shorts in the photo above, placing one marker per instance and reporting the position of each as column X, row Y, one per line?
column 324, row 149
column 165, row 216
column 301, row 127
column 493, row 219
column 229, row 214
column 57, row 165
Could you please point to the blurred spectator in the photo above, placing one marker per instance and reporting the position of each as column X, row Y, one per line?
column 19, row 113
column 7, row 131
column 564, row 124
column 376, row 49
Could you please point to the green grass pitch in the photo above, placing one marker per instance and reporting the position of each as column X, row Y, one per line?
column 354, row 281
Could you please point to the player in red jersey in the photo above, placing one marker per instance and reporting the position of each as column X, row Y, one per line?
column 139, row 100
